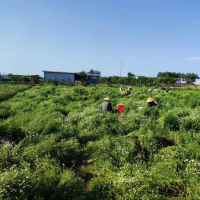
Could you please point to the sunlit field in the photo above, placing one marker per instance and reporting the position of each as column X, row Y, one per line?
column 56, row 143
column 7, row 90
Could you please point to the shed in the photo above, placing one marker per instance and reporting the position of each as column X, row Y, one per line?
column 93, row 78
column 61, row 77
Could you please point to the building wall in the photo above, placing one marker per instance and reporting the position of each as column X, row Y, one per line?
column 93, row 78
column 197, row 81
column 59, row 77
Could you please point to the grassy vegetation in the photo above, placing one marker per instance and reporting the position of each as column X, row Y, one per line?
column 8, row 90
column 47, row 131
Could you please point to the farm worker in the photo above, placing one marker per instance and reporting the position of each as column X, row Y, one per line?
column 130, row 88
column 106, row 106
column 121, row 89
column 151, row 89
column 168, row 89
column 127, row 92
column 151, row 102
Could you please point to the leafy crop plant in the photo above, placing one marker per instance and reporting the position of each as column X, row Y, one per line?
column 56, row 143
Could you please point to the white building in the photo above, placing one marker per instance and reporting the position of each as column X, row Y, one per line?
column 181, row 80
column 197, row 81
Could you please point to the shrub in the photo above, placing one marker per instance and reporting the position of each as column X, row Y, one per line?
column 171, row 121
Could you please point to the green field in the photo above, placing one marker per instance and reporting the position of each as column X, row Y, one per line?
column 7, row 90
column 50, row 133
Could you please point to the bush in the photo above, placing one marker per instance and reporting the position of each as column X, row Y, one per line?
column 171, row 121
column 48, row 181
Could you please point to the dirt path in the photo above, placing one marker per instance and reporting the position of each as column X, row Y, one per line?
column 86, row 178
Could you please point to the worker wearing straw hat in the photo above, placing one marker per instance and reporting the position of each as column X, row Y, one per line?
column 128, row 91
column 151, row 102
column 106, row 106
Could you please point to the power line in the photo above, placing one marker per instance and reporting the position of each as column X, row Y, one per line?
column 119, row 66
column 126, row 67
column 113, row 70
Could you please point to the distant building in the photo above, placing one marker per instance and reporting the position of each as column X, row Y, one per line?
column 93, row 78
column 190, row 80
column 61, row 77
column 180, row 80
column 4, row 77
column 197, row 81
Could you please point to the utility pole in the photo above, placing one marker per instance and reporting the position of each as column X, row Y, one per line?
column 121, row 67
column 120, row 72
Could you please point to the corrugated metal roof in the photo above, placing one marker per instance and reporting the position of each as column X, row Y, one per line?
column 59, row 72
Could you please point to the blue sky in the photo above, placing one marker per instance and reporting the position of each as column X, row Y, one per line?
column 71, row 35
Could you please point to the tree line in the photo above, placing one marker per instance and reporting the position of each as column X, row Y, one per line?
column 135, row 81
column 130, row 80
column 94, row 72
column 24, row 79
column 177, row 75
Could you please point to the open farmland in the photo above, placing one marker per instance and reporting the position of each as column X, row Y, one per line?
column 7, row 90
column 56, row 143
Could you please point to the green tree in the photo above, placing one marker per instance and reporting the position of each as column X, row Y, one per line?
column 109, row 80
column 82, row 77
column 91, row 71
column 25, row 79
column 177, row 75
column 130, row 74
column 82, row 74
column 97, row 72
column 35, row 79
column 13, row 77
column 94, row 72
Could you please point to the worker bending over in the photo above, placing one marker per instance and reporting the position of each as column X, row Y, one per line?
column 167, row 90
column 128, row 91
column 130, row 88
column 106, row 106
column 121, row 89
column 151, row 89
column 151, row 103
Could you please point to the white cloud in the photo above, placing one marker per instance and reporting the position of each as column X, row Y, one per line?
column 194, row 58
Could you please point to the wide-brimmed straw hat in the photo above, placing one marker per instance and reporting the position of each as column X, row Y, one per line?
column 128, row 89
column 150, row 99
column 107, row 99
